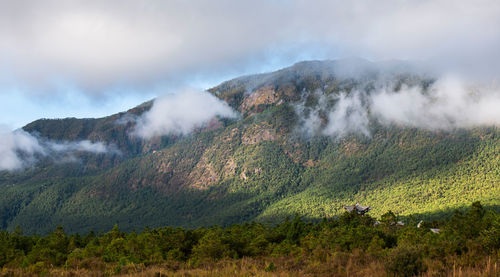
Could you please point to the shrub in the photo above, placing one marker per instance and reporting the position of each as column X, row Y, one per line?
column 405, row 261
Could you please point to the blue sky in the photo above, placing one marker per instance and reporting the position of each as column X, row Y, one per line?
column 117, row 54
column 21, row 106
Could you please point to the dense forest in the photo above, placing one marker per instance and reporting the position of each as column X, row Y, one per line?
column 466, row 243
column 262, row 166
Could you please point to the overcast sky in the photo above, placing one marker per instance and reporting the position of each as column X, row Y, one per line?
column 93, row 58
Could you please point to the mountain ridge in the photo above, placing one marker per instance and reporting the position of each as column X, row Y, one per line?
column 259, row 167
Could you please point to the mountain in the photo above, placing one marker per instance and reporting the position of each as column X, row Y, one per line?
column 289, row 152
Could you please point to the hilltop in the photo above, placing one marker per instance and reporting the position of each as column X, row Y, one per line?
column 284, row 155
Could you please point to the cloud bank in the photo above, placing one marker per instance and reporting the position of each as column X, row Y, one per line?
column 447, row 104
column 97, row 44
column 348, row 116
column 14, row 142
column 19, row 149
column 180, row 114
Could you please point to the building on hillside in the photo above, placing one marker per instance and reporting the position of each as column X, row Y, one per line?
column 358, row 208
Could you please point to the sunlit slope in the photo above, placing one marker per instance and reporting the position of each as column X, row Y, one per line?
column 421, row 174
column 227, row 176
column 261, row 166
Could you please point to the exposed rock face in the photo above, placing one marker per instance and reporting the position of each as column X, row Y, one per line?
column 203, row 175
column 309, row 163
column 258, row 133
column 262, row 96
column 243, row 175
column 229, row 168
column 248, row 172
column 351, row 147
column 234, row 134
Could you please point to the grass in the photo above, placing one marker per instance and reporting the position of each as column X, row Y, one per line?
column 338, row 264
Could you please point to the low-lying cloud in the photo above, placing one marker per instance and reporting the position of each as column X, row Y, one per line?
column 99, row 43
column 14, row 143
column 181, row 113
column 20, row 149
column 98, row 46
column 447, row 104
column 348, row 116
column 83, row 146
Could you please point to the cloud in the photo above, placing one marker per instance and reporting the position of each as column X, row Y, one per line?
column 348, row 116
column 333, row 115
column 97, row 44
column 103, row 48
column 11, row 143
column 310, row 116
column 20, row 149
column 77, row 146
column 448, row 103
column 181, row 113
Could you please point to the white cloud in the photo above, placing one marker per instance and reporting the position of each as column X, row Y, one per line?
column 19, row 149
column 449, row 103
column 334, row 115
column 84, row 146
column 180, row 113
column 349, row 115
column 97, row 45
column 101, row 43
column 17, row 141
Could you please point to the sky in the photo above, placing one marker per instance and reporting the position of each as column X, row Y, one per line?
column 94, row 58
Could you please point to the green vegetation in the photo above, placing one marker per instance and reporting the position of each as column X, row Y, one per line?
column 259, row 168
column 217, row 178
column 352, row 244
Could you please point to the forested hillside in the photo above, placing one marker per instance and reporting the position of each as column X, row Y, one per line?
column 282, row 156
column 465, row 244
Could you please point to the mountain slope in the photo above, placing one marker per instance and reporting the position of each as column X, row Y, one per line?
column 262, row 167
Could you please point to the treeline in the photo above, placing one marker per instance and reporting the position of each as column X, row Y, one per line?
column 350, row 243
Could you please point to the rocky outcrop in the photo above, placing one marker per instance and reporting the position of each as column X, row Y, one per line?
column 258, row 133
column 262, row 96
column 203, row 175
